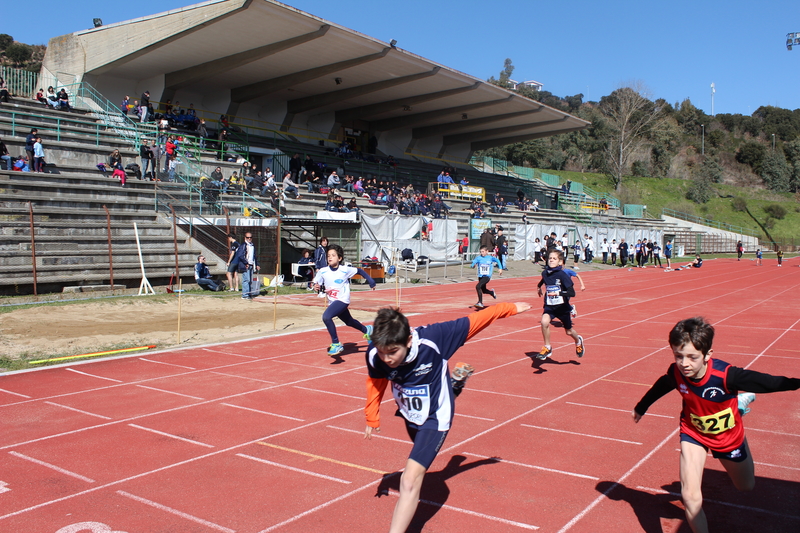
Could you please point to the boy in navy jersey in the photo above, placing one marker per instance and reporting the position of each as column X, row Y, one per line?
column 559, row 288
column 415, row 362
column 712, row 411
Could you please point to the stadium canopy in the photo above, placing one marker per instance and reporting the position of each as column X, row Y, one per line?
column 265, row 61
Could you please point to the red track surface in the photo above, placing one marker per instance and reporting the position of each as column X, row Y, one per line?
column 267, row 435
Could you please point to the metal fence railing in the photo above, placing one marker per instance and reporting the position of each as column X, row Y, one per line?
column 21, row 83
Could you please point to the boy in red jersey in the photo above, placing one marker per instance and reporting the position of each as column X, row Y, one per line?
column 712, row 411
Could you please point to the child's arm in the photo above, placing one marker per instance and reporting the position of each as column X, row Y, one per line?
column 740, row 379
column 375, row 390
column 665, row 384
column 478, row 321
column 367, row 277
column 583, row 287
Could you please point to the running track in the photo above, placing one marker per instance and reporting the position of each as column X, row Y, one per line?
column 266, row 435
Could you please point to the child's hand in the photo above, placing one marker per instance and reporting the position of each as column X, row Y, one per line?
column 522, row 307
column 369, row 430
column 583, row 287
column 316, row 287
column 539, row 290
column 636, row 416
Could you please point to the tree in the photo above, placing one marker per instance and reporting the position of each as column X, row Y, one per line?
column 505, row 75
column 751, row 153
column 5, row 41
column 19, row 53
column 776, row 173
column 630, row 117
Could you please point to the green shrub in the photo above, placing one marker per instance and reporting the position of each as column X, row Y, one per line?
column 739, row 204
column 775, row 211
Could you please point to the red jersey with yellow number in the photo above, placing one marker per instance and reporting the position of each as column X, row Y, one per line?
column 710, row 411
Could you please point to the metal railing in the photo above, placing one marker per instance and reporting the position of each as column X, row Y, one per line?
column 20, row 82
column 710, row 223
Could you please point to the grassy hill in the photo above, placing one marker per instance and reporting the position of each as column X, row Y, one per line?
column 660, row 193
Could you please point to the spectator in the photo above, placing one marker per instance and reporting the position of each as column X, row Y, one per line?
column 502, row 249
column 313, row 182
column 40, row 97
column 202, row 133
column 535, row 205
column 222, row 138
column 157, row 153
column 172, row 164
column 4, row 156
column 123, row 107
column 333, row 181
column 21, row 165
column 4, row 94
column 63, row 99
column 290, row 186
column 144, row 105
column 295, row 166
column 115, row 160
column 203, row 277
column 247, row 263
column 232, row 271
column 306, row 272
column 38, row 154
column 604, row 248
column 29, row 142
column 321, row 254
column 52, row 97
column 146, row 155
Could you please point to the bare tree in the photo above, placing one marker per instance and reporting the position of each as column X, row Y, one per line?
column 630, row 118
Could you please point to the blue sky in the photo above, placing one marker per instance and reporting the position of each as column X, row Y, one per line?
column 677, row 49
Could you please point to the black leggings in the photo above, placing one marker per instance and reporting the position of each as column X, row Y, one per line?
column 481, row 289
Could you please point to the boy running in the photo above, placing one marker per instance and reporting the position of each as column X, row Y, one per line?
column 759, row 258
column 780, row 257
column 712, row 411
column 559, row 288
column 485, row 264
column 415, row 361
column 336, row 279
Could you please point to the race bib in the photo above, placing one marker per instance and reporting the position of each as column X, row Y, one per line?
column 414, row 402
column 714, row 424
column 484, row 269
column 553, row 295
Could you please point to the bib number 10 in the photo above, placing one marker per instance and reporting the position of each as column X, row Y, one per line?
column 714, row 424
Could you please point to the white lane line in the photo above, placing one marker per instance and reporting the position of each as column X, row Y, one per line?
column 229, row 353
column 15, row 393
column 298, row 364
column 581, row 434
column 603, row 496
column 79, row 411
column 474, row 513
column 504, row 394
column 168, row 364
column 243, row 377
column 293, row 469
column 329, row 392
column 475, row 417
column 779, row 337
column 190, row 441
column 777, row 466
column 170, row 510
column 52, row 467
column 773, row 432
column 374, row 435
column 614, row 409
column 263, row 412
column 534, row 467
column 92, row 375
column 170, row 392
column 727, row 504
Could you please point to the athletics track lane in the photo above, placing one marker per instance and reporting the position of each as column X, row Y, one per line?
column 250, row 435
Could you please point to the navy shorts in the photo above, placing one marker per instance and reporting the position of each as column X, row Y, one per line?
column 233, row 267
column 562, row 312
column 737, row 456
column 427, row 441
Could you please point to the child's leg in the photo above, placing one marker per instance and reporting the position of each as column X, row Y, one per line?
column 348, row 320
column 742, row 473
column 480, row 288
column 572, row 333
column 546, row 329
column 693, row 459
column 410, row 486
column 333, row 310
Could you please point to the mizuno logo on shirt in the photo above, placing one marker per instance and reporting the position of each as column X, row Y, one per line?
column 423, row 369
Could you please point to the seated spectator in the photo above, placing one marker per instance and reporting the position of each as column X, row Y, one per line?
column 313, row 182
column 63, row 99
column 358, row 186
column 40, row 97
column 4, row 94
column 269, row 186
column 21, row 165
column 289, row 186
column 115, row 160
column 333, row 181
column 306, row 259
column 203, row 277
column 535, row 205
column 210, row 191
column 4, row 155
column 218, row 179
column 351, row 206
column 235, row 183
column 52, row 97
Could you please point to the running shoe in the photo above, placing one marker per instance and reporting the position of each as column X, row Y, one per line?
column 335, row 349
column 544, row 353
column 745, row 399
column 580, row 350
column 573, row 312
column 494, row 295
column 479, row 306
column 460, row 373
column 368, row 334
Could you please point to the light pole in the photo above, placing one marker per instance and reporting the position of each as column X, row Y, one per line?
column 703, row 142
column 773, row 142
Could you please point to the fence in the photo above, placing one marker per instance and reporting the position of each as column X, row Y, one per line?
column 20, row 82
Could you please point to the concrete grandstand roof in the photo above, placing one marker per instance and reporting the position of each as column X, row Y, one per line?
column 265, row 60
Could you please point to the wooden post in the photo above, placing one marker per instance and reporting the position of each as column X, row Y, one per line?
column 110, row 261
column 33, row 251
column 275, row 300
column 180, row 295
column 175, row 241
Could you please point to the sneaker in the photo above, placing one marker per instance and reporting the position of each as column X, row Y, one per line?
column 368, row 334
column 580, row 350
column 573, row 312
column 494, row 295
column 335, row 349
column 460, row 373
column 745, row 399
column 544, row 353
column 479, row 306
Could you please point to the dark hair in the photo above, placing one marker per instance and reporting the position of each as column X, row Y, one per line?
column 336, row 248
column 693, row 330
column 390, row 328
column 559, row 253
column 484, row 247
column 232, row 236
column 323, row 238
